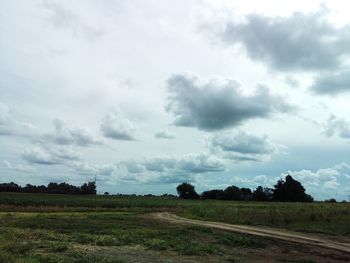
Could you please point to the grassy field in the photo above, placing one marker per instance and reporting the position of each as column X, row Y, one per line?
column 328, row 218
column 60, row 228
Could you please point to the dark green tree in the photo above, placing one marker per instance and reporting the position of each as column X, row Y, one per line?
column 262, row 194
column 88, row 188
column 290, row 190
column 212, row 194
column 186, row 191
column 232, row 193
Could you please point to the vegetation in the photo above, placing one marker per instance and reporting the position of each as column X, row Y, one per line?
column 64, row 237
column 186, row 191
column 91, row 228
column 288, row 190
column 322, row 217
column 52, row 188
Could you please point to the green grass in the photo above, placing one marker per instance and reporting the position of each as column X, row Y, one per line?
column 62, row 228
column 327, row 218
column 59, row 237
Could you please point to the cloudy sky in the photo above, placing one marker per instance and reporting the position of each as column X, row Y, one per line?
column 148, row 94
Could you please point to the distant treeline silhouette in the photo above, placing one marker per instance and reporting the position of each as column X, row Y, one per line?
column 288, row 190
column 52, row 188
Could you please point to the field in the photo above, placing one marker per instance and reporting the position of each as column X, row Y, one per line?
column 60, row 228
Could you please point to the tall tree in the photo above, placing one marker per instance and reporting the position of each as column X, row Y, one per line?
column 186, row 191
column 290, row 190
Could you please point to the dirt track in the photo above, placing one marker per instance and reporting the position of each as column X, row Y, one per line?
column 301, row 238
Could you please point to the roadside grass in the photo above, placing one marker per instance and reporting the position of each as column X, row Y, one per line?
column 59, row 237
column 323, row 218
column 235, row 240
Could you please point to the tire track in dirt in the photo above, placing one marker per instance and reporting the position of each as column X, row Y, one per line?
column 286, row 235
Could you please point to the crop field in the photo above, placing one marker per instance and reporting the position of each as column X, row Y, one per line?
column 62, row 228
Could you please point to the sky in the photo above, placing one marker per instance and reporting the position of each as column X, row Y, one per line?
column 148, row 94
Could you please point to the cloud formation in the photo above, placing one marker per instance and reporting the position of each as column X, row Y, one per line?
column 10, row 126
column 52, row 155
column 19, row 167
column 65, row 135
column 188, row 163
column 62, row 18
column 218, row 104
column 116, row 126
column 241, row 146
column 298, row 42
column 337, row 126
column 172, row 169
column 84, row 168
column 164, row 134
column 330, row 181
column 332, row 83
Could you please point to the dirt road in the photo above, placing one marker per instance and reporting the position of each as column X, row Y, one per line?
column 301, row 238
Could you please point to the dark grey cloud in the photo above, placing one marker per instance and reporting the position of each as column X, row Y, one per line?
column 298, row 42
column 215, row 105
column 116, row 126
column 66, row 135
column 332, row 83
column 337, row 126
column 241, row 146
column 50, row 155
column 164, row 134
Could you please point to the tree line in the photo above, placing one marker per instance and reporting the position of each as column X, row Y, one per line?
column 287, row 190
column 52, row 188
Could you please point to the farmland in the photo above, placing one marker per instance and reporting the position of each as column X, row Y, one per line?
column 62, row 228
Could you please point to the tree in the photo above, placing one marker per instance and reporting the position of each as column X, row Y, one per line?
column 290, row 190
column 331, row 200
column 232, row 193
column 212, row 194
column 186, row 191
column 89, row 188
column 246, row 194
column 262, row 194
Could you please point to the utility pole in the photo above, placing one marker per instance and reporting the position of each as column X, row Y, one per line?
column 95, row 181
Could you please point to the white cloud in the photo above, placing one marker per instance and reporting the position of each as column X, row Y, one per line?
column 85, row 168
column 20, row 167
column 65, row 135
column 337, row 126
column 241, row 146
column 63, row 18
column 164, row 134
column 11, row 126
column 50, row 155
column 116, row 126
column 329, row 182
